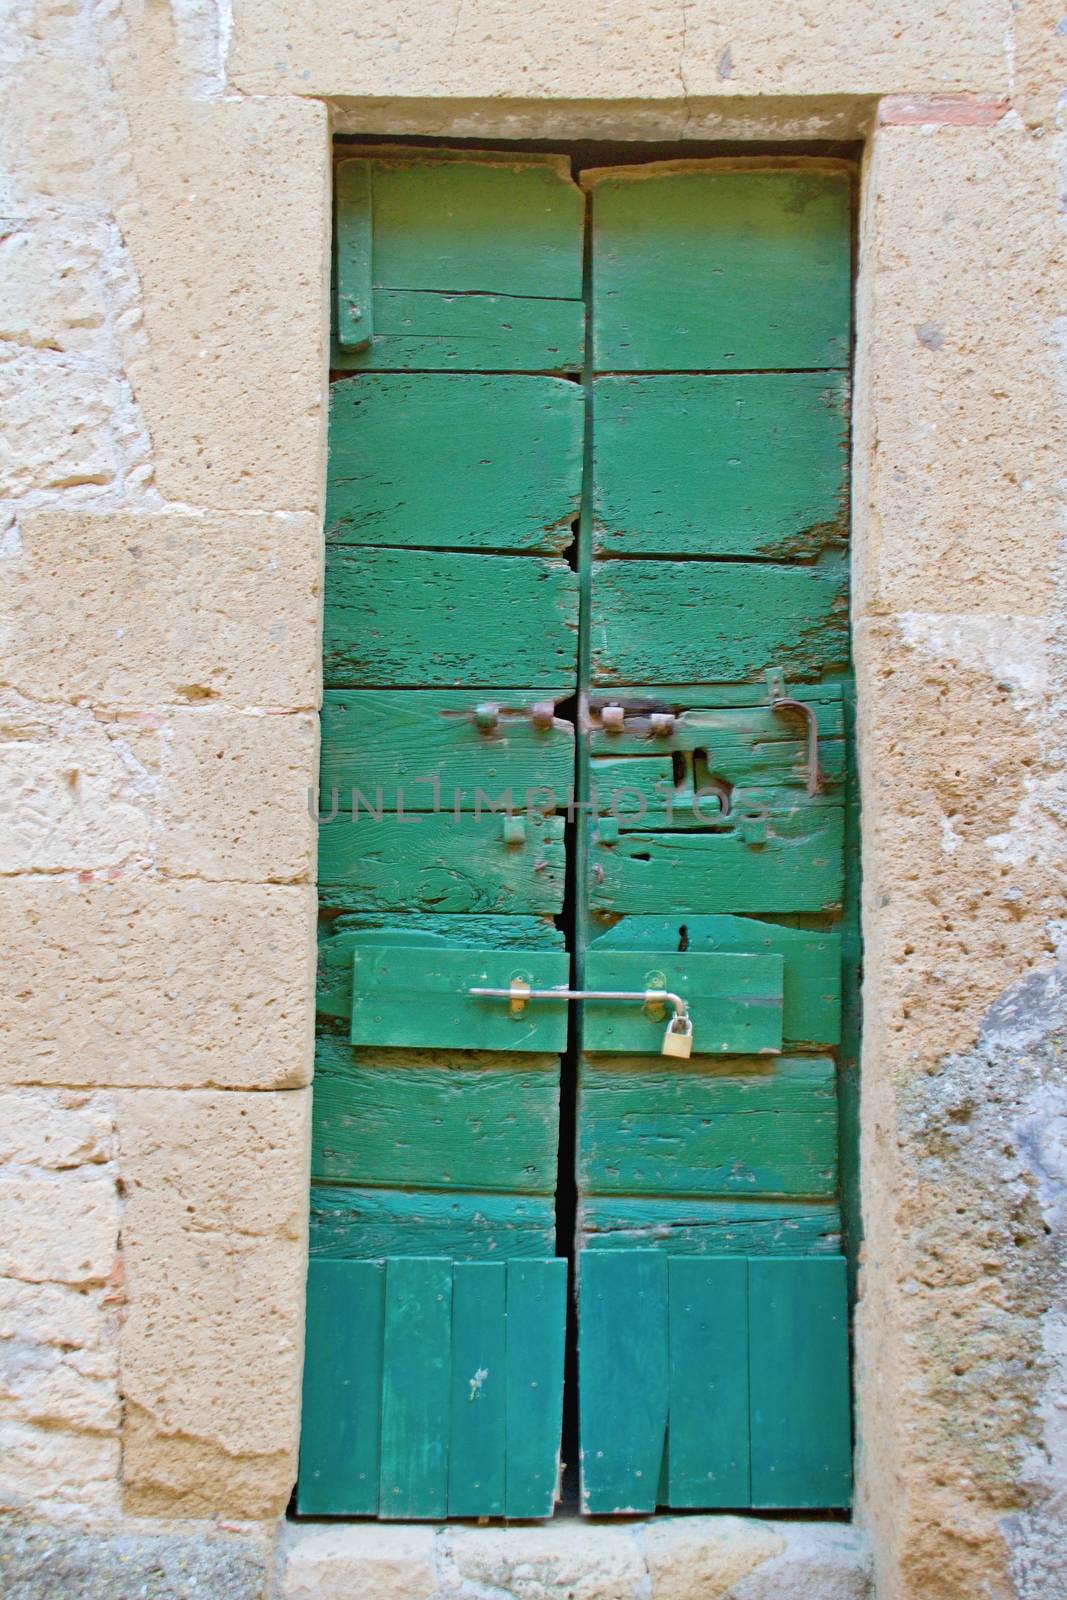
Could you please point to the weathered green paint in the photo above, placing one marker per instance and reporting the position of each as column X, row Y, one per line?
column 340, row 934
column 751, row 465
column 432, row 1127
column 623, row 1379
column 735, row 1001
column 798, row 1361
column 443, row 863
column 708, row 1450
column 478, row 1426
column 353, row 1223
column 759, row 1127
column 354, row 319
column 702, row 268
column 423, row 619
column 797, row 866
column 713, row 621
column 339, row 1432
column 423, row 750
column 421, row 332
column 462, row 462
column 688, row 1225
column 421, row 998
column 812, row 979
column 416, row 1376
column 536, row 1337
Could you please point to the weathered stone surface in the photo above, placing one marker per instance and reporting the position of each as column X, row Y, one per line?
column 340, row 1563
column 581, row 1560
column 54, row 1472
column 148, row 610
column 701, row 1558
column 59, row 1204
column 41, row 1561
column 235, row 797
column 214, row 1246
column 548, row 50
column 57, row 426
column 156, row 984
column 53, row 297
column 816, row 1563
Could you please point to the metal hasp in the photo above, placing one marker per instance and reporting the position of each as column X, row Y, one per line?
column 677, row 1041
column 784, row 703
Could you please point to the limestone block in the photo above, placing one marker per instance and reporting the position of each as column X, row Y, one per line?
column 59, row 1204
column 960, row 437
column 150, row 983
column 79, row 791
column 53, row 295
column 235, row 797
column 58, row 1357
column 228, row 231
column 46, row 1469
column 57, row 430
column 54, row 123
column 339, row 1563
column 617, row 48
column 584, row 1561
column 832, row 1563
column 214, row 1241
column 701, row 1558
column 57, row 1130
column 148, row 610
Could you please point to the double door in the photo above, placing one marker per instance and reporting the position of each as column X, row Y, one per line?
column 583, row 800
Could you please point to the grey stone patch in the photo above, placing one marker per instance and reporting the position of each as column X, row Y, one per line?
column 819, row 1562
column 48, row 1561
column 725, row 64
column 929, row 334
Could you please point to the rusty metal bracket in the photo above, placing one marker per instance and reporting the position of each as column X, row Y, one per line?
column 807, row 711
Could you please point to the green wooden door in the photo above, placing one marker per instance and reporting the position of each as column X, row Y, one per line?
column 611, row 560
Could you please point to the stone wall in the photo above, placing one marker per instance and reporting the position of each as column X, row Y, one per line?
column 162, row 386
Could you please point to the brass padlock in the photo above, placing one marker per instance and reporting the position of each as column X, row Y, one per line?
column 678, row 1039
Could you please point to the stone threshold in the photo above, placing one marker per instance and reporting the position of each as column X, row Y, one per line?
column 668, row 1558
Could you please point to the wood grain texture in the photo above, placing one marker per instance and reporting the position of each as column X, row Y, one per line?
column 798, row 867
column 354, row 317
column 422, row 749
column 798, row 1362
column 421, row 332
column 699, row 1227
column 449, row 1127
column 370, row 1224
column 339, row 1422
column 708, row 1445
column 416, row 1373
column 477, row 1461
column 536, row 1338
column 454, row 461
column 751, row 466
column 735, row 1001
column 413, row 618
column 623, row 1379
column 340, row 934
column 658, row 1127
column 703, row 268
column 439, row 863
column 812, row 978
column 715, row 621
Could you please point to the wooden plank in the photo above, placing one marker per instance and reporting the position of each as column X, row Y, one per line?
column 454, row 461
column 536, row 1339
column 716, row 621
column 735, row 1001
column 415, row 618
column 339, row 1424
column 487, row 226
column 450, row 1127
column 721, row 266
column 420, row 332
column 424, row 751
column 623, row 1379
column 812, row 982
column 659, row 1126
column 708, row 1452
column 699, row 1227
column 441, row 863
column 416, row 1369
column 340, row 933
column 419, row 998
column 751, row 465
column 354, row 313
column 477, row 1459
column 369, row 1224
column 798, row 867
column 799, row 1388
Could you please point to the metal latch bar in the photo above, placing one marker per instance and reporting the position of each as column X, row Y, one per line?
column 518, row 993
